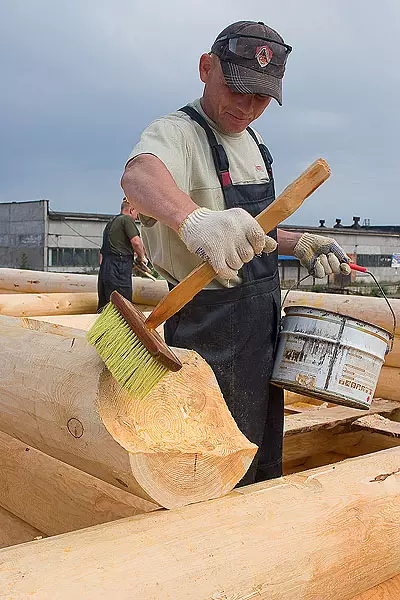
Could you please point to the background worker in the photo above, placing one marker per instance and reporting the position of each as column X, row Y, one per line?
column 201, row 175
column 121, row 242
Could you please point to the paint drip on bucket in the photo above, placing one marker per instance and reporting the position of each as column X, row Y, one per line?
column 330, row 356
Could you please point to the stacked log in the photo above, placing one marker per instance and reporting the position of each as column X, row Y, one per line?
column 45, row 282
column 178, row 445
column 37, row 293
column 329, row 533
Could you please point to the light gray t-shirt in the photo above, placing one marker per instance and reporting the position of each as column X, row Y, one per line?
column 181, row 144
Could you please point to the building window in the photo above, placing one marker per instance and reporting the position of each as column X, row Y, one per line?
column 73, row 257
column 374, row 260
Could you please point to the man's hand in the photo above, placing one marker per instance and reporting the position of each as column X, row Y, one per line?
column 226, row 238
column 321, row 255
column 142, row 262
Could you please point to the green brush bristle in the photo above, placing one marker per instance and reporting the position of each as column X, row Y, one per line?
column 127, row 359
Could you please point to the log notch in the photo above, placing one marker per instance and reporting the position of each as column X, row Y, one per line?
column 179, row 445
column 327, row 435
column 329, row 533
column 145, row 291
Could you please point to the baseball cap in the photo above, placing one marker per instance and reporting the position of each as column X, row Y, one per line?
column 253, row 58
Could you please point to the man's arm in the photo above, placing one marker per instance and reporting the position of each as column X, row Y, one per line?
column 319, row 254
column 150, row 187
column 138, row 248
column 287, row 240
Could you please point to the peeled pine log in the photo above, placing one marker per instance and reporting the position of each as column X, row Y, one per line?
column 55, row 497
column 178, row 445
column 86, row 321
column 23, row 280
column 329, row 533
column 35, row 305
column 388, row 384
column 388, row 590
column 145, row 291
column 76, row 321
column 373, row 310
column 15, row 531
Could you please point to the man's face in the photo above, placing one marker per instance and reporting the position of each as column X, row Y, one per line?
column 231, row 111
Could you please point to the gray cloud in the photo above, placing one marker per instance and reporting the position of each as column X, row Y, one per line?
column 80, row 80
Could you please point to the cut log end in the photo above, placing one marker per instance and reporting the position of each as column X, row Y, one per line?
column 184, row 478
column 184, row 445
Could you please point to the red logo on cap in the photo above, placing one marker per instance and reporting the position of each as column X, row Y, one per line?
column 263, row 55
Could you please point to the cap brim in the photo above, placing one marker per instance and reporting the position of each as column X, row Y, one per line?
column 247, row 81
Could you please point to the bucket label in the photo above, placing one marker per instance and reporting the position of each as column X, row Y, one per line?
column 328, row 357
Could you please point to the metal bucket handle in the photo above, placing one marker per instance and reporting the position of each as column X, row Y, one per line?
column 363, row 270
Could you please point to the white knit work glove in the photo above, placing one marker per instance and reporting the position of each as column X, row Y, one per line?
column 321, row 255
column 225, row 238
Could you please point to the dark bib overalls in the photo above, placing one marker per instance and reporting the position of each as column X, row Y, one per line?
column 115, row 272
column 235, row 329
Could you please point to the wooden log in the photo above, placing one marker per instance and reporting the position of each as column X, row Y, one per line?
column 15, row 531
column 388, row 590
column 76, row 321
column 330, row 430
column 145, row 291
column 24, row 280
column 86, row 321
column 179, row 445
column 55, row 497
column 378, row 424
column 388, row 384
column 294, row 398
column 35, row 305
column 328, row 533
column 374, row 310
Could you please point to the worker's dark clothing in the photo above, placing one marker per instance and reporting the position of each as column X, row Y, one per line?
column 235, row 329
column 116, row 267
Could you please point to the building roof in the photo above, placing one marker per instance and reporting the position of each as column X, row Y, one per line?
column 391, row 230
column 72, row 216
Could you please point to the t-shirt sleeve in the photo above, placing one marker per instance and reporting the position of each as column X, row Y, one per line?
column 131, row 229
column 165, row 138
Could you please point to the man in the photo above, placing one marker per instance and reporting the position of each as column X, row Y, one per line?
column 201, row 175
column 121, row 241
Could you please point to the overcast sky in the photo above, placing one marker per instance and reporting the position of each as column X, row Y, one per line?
column 81, row 79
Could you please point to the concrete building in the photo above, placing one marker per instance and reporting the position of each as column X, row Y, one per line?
column 34, row 237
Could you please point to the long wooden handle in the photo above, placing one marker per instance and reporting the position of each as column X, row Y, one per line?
column 283, row 206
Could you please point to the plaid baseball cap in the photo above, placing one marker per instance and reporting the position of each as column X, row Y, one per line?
column 253, row 58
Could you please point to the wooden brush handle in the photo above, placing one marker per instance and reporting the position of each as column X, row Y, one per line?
column 283, row 206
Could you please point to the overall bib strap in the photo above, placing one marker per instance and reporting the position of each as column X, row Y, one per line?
column 265, row 153
column 220, row 158
column 106, row 246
